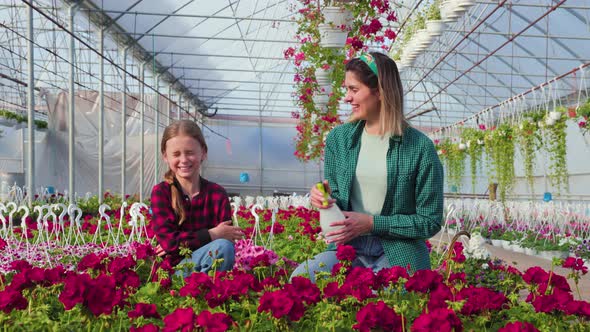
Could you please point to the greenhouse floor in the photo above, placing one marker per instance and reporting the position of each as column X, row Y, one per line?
column 523, row 262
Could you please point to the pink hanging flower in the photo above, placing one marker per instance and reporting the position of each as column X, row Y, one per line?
column 299, row 58
column 390, row 34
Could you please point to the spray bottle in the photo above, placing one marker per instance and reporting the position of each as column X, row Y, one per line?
column 329, row 215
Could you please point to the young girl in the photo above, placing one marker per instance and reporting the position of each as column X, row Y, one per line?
column 189, row 211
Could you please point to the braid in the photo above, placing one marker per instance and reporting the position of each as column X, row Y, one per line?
column 176, row 197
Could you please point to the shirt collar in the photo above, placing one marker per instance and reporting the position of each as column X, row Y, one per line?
column 358, row 128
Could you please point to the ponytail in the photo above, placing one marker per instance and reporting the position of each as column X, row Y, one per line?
column 176, row 197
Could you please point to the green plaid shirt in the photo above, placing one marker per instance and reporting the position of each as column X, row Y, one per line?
column 413, row 207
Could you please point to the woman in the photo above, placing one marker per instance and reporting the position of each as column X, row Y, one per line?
column 385, row 175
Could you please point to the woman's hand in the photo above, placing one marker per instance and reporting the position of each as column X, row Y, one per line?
column 225, row 230
column 317, row 197
column 355, row 225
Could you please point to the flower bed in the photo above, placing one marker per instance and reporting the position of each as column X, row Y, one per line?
column 115, row 289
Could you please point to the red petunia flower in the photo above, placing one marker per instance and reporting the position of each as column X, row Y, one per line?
column 377, row 316
column 144, row 310
column 439, row 320
column 146, row 328
column 217, row 322
column 12, row 299
column 518, row 327
column 345, row 253
column 181, row 319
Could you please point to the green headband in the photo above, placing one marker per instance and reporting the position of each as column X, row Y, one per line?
column 370, row 61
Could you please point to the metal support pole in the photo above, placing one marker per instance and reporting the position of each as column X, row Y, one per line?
column 71, row 109
column 101, row 118
column 169, row 105
column 260, row 140
column 179, row 107
column 124, row 124
column 156, row 131
column 30, row 110
column 142, row 138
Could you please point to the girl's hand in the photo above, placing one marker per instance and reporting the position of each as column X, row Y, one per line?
column 160, row 251
column 225, row 230
column 355, row 225
column 317, row 197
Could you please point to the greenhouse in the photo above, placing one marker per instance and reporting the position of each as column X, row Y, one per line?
column 295, row 165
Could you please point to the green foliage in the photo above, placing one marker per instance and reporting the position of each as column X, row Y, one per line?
column 500, row 147
column 474, row 140
column 20, row 119
column 454, row 160
column 529, row 141
column 433, row 11
column 555, row 143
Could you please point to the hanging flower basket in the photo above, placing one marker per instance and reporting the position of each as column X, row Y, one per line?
column 332, row 37
column 448, row 11
column 463, row 5
column 435, row 28
column 337, row 16
column 329, row 32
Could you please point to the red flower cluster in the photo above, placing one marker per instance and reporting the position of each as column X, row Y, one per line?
column 144, row 310
column 458, row 253
column 12, row 299
column 346, row 253
column 377, row 316
column 424, row 281
column 440, row 320
column 576, row 264
column 481, row 299
column 181, row 319
column 518, row 327
column 99, row 295
column 553, row 293
column 289, row 301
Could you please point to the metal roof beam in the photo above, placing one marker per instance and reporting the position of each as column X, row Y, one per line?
column 123, row 38
column 247, row 18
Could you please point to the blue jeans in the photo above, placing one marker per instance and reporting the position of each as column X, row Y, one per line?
column 369, row 254
column 203, row 258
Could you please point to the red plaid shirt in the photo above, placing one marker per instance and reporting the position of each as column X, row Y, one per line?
column 204, row 211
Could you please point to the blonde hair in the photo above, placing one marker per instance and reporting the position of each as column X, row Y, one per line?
column 180, row 128
column 392, row 120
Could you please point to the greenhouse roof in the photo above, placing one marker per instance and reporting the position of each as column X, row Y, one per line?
column 227, row 56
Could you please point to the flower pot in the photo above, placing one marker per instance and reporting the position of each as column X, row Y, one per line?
column 423, row 38
column 332, row 37
column 571, row 112
column 447, row 11
column 550, row 121
column 554, row 115
column 337, row 16
column 323, row 77
column 435, row 28
column 550, row 254
column 496, row 243
column 517, row 248
column 462, row 6
column 320, row 99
